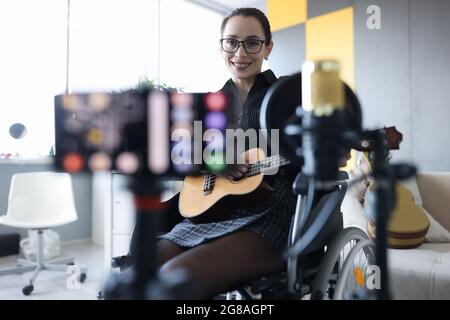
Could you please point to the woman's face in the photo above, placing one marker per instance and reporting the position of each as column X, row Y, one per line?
column 243, row 65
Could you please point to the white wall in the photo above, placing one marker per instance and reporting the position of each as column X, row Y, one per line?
column 401, row 73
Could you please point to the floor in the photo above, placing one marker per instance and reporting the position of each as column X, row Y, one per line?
column 51, row 285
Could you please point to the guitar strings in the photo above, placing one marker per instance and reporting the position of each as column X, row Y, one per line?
column 267, row 163
column 254, row 169
column 267, row 166
column 207, row 182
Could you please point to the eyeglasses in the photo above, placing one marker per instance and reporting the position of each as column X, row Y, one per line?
column 251, row 46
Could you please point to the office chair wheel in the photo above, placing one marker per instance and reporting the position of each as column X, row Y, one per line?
column 83, row 277
column 27, row 290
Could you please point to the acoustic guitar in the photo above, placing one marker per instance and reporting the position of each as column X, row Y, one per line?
column 200, row 194
column 408, row 223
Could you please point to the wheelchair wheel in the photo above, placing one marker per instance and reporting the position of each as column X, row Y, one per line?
column 330, row 268
column 351, row 284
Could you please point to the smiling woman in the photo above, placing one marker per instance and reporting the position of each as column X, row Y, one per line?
column 246, row 42
column 247, row 243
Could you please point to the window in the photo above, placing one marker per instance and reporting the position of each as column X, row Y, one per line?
column 32, row 72
column 190, row 55
column 112, row 45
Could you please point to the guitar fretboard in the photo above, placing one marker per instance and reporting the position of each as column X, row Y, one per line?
column 254, row 169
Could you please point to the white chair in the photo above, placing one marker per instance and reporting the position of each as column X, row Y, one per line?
column 39, row 201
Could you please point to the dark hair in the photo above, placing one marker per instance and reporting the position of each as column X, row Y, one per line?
column 250, row 12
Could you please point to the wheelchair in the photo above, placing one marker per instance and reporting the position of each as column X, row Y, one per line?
column 329, row 265
column 324, row 260
column 332, row 262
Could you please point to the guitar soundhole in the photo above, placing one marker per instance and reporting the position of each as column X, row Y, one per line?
column 237, row 180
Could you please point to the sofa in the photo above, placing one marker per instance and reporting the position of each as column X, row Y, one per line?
column 422, row 272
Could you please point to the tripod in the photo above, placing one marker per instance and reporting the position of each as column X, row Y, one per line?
column 141, row 281
column 385, row 177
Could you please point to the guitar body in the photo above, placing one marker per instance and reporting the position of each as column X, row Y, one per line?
column 195, row 202
column 408, row 224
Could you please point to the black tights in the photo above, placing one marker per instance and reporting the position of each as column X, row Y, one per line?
column 224, row 263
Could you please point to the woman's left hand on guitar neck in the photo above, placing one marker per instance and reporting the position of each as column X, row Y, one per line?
column 238, row 170
column 234, row 171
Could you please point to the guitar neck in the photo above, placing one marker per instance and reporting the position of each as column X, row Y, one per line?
column 261, row 166
column 266, row 164
column 254, row 169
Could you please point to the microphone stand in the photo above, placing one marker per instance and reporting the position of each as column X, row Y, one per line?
column 141, row 281
column 385, row 176
column 384, row 203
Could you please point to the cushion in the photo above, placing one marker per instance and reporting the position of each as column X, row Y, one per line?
column 435, row 188
column 436, row 233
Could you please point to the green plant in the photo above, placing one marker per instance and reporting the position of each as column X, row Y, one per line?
column 144, row 85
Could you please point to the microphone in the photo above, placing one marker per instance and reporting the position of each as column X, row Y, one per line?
column 324, row 119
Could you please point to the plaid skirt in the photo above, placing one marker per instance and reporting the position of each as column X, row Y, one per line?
column 271, row 221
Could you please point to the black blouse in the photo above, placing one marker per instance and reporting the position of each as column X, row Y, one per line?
column 248, row 113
